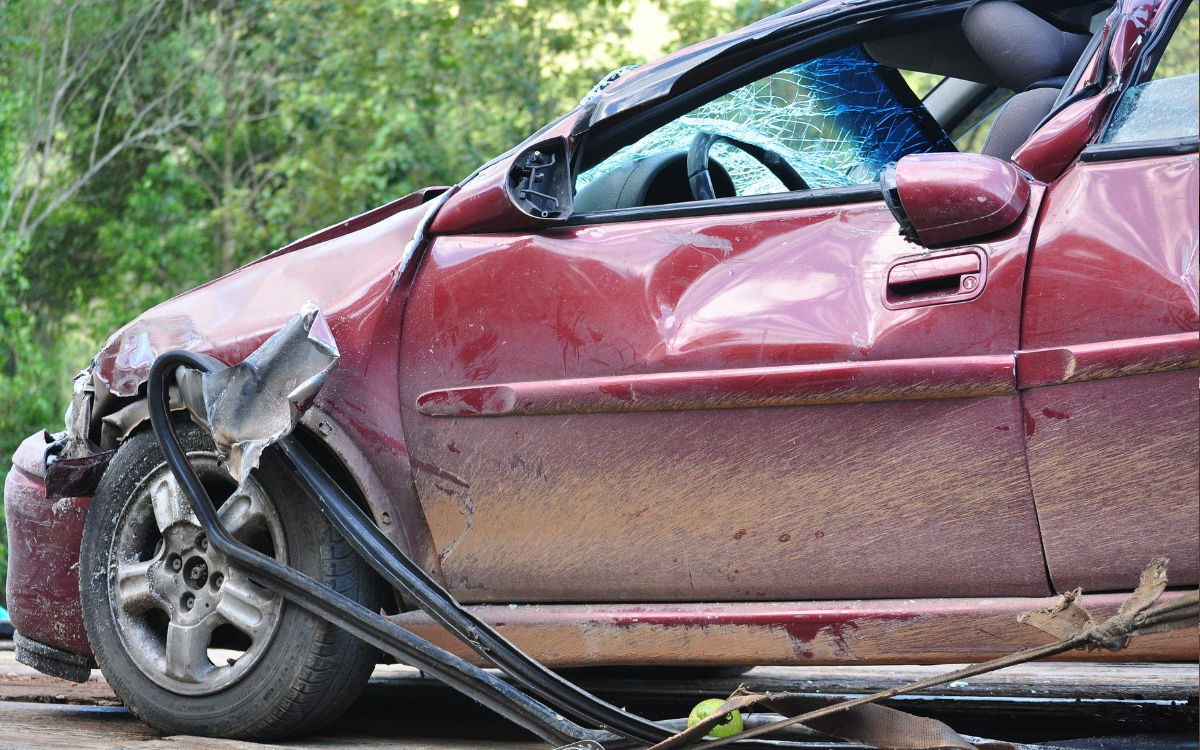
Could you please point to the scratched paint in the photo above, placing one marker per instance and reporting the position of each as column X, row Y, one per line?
column 1114, row 465
column 1113, row 455
column 43, row 573
column 807, row 633
column 567, row 504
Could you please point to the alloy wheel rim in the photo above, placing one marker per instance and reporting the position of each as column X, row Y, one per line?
column 189, row 620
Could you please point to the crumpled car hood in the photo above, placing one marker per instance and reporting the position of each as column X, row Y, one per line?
column 347, row 270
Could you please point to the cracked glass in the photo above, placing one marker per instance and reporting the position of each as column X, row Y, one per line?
column 1164, row 107
column 838, row 120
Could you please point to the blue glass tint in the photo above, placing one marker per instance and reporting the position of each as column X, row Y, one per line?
column 837, row 119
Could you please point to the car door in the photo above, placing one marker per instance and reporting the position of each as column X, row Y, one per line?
column 728, row 399
column 1109, row 339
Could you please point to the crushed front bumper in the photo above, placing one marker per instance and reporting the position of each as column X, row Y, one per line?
column 43, row 557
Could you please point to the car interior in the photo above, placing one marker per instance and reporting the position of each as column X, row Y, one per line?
column 837, row 120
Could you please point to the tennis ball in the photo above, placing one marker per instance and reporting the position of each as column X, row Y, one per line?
column 731, row 726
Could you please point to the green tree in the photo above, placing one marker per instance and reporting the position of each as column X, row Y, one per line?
column 696, row 20
column 449, row 86
column 148, row 145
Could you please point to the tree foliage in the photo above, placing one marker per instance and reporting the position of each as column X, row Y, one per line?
column 149, row 145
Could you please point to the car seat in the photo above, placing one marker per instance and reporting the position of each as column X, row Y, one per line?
column 1028, row 55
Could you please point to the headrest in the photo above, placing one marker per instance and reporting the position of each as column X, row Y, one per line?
column 1019, row 46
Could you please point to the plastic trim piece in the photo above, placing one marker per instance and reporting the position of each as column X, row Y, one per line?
column 50, row 660
column 739, row 205
column 752, row 387
column 1140, row 149
column 1107, row 359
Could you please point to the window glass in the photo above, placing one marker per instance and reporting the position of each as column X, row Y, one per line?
column 837, row 119
column 971, row 133
column 921, row 83
column 1166, row 106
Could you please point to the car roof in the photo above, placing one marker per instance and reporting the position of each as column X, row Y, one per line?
column 653, row 81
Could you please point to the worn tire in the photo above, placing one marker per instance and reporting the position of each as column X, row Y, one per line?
column 304, row 672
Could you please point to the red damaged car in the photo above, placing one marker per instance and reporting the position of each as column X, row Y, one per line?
column 748, row 359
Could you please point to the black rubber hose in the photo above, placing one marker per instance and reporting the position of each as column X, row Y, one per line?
column 328, row 604
column 401, row 572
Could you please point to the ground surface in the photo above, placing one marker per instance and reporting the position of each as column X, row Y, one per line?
column 402, row 709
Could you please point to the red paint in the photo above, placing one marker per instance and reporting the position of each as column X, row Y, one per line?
column 952, row 197
column 859, row 382
column 355, row 280
column 483, row 203
column 1116, row 482
column 803, row 626
column 365, row 219
column 929, row 269
column 43, row 537
column 1107, row 359
column 1116, row 236
column 625, row 368
column 880, row 632
column 935, row 279
column 1056, row 145
column 563, row 338
column 1137, row 17
column 1110, row 338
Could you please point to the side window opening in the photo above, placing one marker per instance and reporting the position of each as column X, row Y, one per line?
column 965, row 109
column 837, row 120
column 970, row 134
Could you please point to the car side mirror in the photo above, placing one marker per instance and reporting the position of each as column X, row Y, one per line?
column 949, row 198
column 539, row 182
column 529, row 191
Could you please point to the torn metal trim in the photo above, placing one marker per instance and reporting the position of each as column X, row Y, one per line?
column 253, row 404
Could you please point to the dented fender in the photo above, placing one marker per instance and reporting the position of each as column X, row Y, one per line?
column 357, row 272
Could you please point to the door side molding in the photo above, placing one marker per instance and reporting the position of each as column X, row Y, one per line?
column 1037, row 368
column 789, row 385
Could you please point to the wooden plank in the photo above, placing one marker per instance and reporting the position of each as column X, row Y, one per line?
column 37, row 726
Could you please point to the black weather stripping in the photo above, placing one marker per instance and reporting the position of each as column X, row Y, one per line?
column 553, row 698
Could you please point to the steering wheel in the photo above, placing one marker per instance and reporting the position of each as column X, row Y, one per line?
column 698, row 161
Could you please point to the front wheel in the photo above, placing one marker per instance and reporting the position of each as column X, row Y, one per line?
column 187, row 639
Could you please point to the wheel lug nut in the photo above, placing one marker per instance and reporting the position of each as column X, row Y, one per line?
column 202, row 543
column 189, row 601
column 217, row 580
column 176, row 563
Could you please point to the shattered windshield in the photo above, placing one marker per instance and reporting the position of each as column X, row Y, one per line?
column 837, row 119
